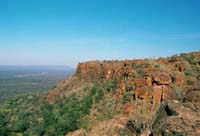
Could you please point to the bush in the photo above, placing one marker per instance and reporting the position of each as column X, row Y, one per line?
column 178, row 93
column 39, row 130
column 99, row 95
column 20, row 126
column 157, row 66
column 127, row 97
column 111, row 86
column 188, row 73
column 86, row 105
column 2, row 120
column 4, row 132
column 141, row 73
column 191, row 58
column 93, row 91
column 189, row 82
column 173, row 58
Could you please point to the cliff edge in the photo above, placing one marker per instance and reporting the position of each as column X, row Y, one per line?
column 137, row 97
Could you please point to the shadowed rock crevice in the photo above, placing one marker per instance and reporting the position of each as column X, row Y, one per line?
column 170, row 112
column 151, row 134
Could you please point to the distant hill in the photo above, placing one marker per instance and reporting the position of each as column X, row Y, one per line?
column 143, row 97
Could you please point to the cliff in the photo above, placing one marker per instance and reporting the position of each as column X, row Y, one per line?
column 147, row 97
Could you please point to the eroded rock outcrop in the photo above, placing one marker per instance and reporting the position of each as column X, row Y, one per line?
column 178, row 119
column 147, row 93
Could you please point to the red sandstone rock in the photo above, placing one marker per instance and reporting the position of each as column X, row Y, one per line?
column 179, row 79
column 167, row 93
column 157, row 94
column 128, row 108
column 139, row 82
column 124, row 72
column 161, row 78
column 161, row 93
column 143, row 92
column 148, row 81
column 180, row 67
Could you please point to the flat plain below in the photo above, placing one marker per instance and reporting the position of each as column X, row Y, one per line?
column 22, row 80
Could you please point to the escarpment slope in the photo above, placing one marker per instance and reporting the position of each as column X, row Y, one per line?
column 136, row 97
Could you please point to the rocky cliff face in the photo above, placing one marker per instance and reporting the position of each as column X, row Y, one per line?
column 151, row 96
column 145, row 77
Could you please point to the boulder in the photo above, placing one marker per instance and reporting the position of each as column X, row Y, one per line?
column 157, row 94
column 139, row 82
column 179, row 78
column 186, row 121
column 162, row 93
column 161, row 78
column 175, row 118
column 143, row 93
column 147, row 81
column 180, row 67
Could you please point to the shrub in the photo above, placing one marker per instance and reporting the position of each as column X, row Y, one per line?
column 93, row 91
column 47, row 114
column 157, row 66
column 86, row 88
column 111, row 86
column 178, row 93
column 188, row 73
column 142, row 66
column 109, row 110
column 2, row 120
column 173, row 58
column 183, row 55
column 86, row 105
column 141, row 73
column 39, row 130
column 191, row 58
column 189, row 82
column 99, row 95
column 20, row 126
column 127, row 97
column 4, row 132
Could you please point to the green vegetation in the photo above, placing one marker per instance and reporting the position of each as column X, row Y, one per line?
column 191, row 58
column 127, row 97
column 178, row 93
column 103, row 106
column 173, row 58
column 31, row 115
column 111, row 86
column 189, row 73
column 141, row 73
column 190, row 82
column 140, row 68
column 99, row 95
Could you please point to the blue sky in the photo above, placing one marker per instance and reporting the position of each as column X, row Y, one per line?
column 65, row 32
